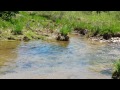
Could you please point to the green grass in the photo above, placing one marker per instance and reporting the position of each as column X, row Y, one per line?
column 65, row 29
column 116, row 70
column 66, row 21
column 104, row 22
column 18, row 29
column 117, row 66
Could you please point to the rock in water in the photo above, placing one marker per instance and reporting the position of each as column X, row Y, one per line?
column 116, row 75
column 66, row 38
column 26, row 38
column 11, row 38
column 107, row 36
column 84, row 31
column 62, row 37
column 58, row 37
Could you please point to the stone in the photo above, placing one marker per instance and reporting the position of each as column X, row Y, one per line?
column 62, row 37
column 116, row 75
column 11, row 38
column 66, row 38
column 107, row 36
column 83, row 31
column 26, row 38
column 116, row 35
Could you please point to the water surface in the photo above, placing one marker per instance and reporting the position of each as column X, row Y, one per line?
column 76, row 59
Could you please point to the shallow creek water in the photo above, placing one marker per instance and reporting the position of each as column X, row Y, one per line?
column 77, row 59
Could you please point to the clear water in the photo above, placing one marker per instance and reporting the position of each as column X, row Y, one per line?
column 77, row 59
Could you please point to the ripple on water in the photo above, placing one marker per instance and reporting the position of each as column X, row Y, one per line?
column 74, row 59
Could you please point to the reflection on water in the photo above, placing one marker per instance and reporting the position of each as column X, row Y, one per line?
column 78, row 58
column 8, row 51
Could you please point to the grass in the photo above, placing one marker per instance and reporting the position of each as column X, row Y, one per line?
column 63, row 21
column 117, row 66
column 30, row 35
column 104, row 22
column 65, row 29
column 18, row 25
column 116, row 70
column 18, row 29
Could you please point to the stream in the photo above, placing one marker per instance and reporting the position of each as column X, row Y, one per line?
column 77, row 59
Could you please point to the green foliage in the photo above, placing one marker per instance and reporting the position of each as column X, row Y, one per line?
column 117, row 66
column 63, row 21
column 18, row 29
column 117, row 15
column 65, row 29
column 5, row 24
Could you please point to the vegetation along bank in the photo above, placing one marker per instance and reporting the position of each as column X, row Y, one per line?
column 28, row 25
